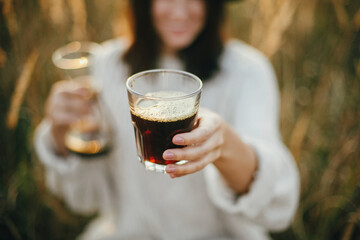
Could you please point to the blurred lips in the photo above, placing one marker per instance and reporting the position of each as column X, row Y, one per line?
column 176, row 29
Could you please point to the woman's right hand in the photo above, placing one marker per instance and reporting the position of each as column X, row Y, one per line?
column 68, row 101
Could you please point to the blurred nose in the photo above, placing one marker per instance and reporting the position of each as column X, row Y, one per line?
column 179, row 9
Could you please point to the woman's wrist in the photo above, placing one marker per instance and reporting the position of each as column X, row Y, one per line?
column 58, row 135
column 237, row 163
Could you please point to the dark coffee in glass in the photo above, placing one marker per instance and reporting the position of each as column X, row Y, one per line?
column 162, row 103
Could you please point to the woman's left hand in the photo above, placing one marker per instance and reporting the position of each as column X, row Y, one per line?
column 203, row 145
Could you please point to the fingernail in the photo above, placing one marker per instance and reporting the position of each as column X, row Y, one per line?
column 169, row 155
column 170, row 169
column 178, row 140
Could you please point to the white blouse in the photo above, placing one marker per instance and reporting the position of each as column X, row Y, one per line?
column 136, row 204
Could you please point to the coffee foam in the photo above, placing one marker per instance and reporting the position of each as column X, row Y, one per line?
column 167, row 110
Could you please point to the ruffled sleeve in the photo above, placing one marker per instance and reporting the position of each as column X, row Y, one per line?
column 84, row 183
column 81, row 182
column 273, row 196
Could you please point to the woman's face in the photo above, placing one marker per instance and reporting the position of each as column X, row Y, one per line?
column 178, row 22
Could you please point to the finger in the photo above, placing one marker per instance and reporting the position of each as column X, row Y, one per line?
column 60, row 118
column 69, row 86
column 181, row 170
column 194, row 152
column 75, row 105
column 75, row 93
column 71, row 89
column 192, row 166
column 68, row 102
column 206, row 127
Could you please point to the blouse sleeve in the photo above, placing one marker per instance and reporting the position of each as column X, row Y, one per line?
column 86, row 185
column 273, row 196
column 82, row 183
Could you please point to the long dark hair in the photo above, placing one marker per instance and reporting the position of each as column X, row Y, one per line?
column 200, row 58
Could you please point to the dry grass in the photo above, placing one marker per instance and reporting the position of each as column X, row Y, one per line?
column 20, row 89
column 9, row 15
column 79, row 16
column 272, row 19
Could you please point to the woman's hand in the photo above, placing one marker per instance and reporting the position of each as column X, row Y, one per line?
column 213, row 141
column 68, row 101
column 203, row 145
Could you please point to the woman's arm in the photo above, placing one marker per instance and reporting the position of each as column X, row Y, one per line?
column 82, row 183
column 236, row 155
column 252, row 173
column 213, row 141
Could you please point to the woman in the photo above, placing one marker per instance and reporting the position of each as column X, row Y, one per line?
column 241, row 182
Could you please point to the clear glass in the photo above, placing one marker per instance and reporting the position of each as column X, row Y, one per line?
column 91, row 134
column 162, row 104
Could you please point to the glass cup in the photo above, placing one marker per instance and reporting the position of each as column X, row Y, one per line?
column 162, row 104
column 91, row 134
